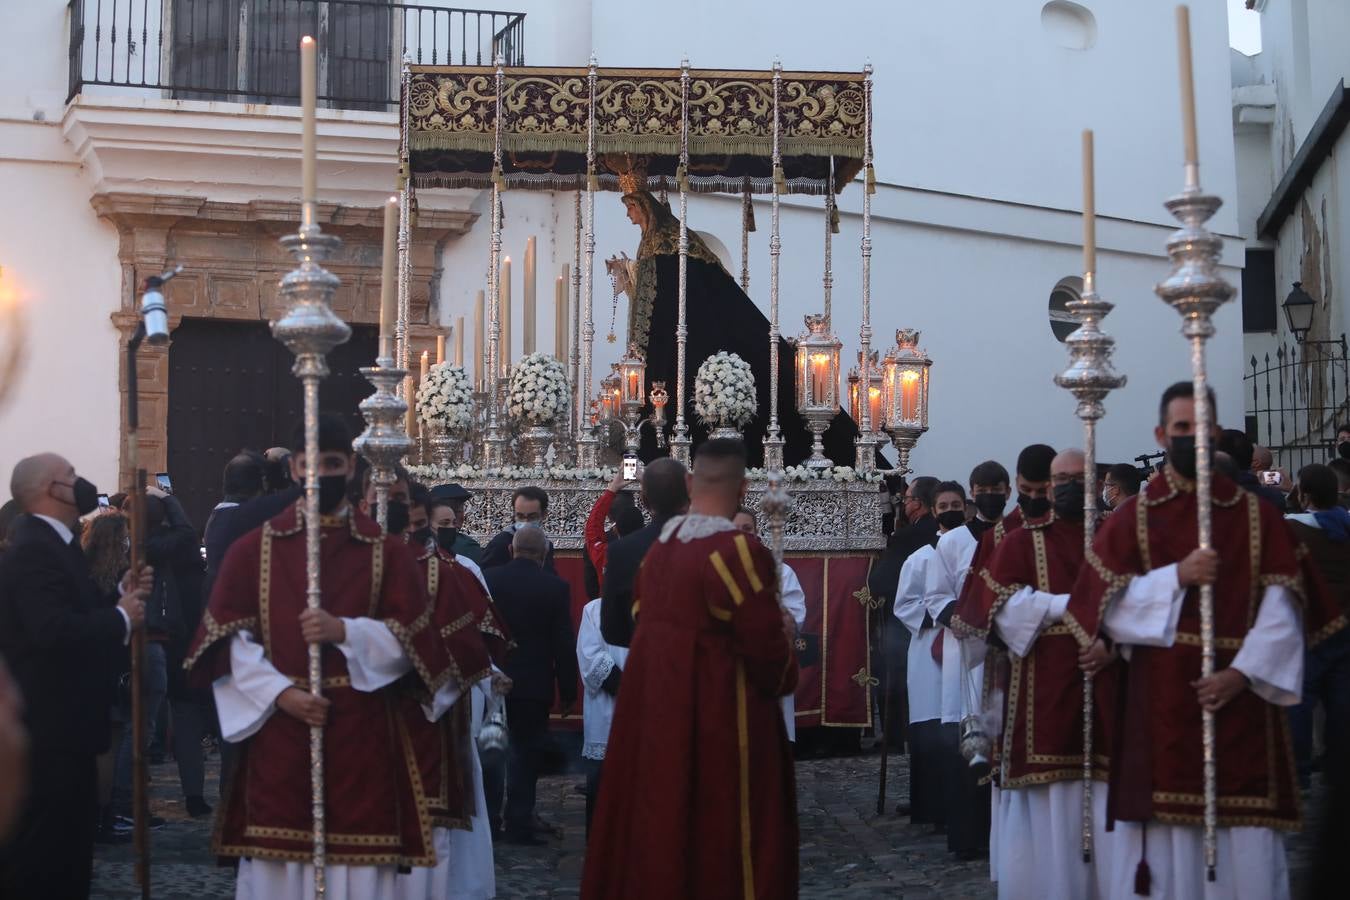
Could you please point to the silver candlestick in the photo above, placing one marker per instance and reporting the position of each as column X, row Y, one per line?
column 384, row 441
column 310, row 330
column 1089, row 378
column 1195, row 290
column 776, row 504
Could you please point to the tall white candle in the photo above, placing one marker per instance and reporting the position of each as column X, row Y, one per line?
column 1187, row 78
column 309, row 93
column 1089, row 207
column 388, row 286
column 459, row 342
column 479, row 339
column 560, row 319
column 505, row 355
column 531, row 318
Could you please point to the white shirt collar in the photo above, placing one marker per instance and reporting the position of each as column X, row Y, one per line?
column 58, row 526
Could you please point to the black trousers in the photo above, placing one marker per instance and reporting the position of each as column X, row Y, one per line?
column 593, row 767
column 968, row 810
column 51, row 854
column 527, row 723
column 927, row 800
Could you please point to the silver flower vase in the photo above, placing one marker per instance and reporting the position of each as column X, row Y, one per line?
column 725, row 431
column 445, row 447
column 534, row 442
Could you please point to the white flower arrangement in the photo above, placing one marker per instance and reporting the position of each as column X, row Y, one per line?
column 841, row 474
column 538, row 392
column 433, row 474
column 724, row 391
column 445, row 399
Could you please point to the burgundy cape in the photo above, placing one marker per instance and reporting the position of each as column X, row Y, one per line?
column 443, row 747
column 370, row 773
column 1043, row 703
column 1157, row 758
column 698, row 797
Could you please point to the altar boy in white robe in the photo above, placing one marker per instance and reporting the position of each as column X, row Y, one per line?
column 934, row 690
column 793, row 599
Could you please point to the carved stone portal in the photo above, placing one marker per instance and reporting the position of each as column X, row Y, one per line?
column 232, row 264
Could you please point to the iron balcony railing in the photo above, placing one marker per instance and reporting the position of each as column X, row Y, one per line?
column 1297, row 399
column 248, row 50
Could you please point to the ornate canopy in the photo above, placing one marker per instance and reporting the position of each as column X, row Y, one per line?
column 450, row 113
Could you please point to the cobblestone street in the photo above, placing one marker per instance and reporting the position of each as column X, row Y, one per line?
column 846, row 850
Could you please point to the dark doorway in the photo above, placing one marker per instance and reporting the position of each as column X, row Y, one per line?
column 231, row 387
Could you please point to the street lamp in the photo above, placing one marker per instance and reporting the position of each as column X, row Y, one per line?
column 818, row 383
column 1298, row 310
column 905, row 394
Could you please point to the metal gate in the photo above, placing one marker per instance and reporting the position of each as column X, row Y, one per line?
column 231, row 387
column 1297, row 399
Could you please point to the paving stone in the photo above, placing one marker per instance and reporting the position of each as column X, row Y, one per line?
column 846, row 849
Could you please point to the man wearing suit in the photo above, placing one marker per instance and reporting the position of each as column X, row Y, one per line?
column 665, row 494
column 62, row 645
column 529, row 506
column 537, row 608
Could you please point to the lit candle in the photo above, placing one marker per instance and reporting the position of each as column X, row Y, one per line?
column 874, row 407
column 1089, row 210
column 479, row 339
column 440, row 349
column 909, row 396
column 560, row 317
column 459, row 341
column 634, row 386
column 388, row 279
column 504, row 355
column 818, row 388
column 1187, row 86
column 527, row 333
column 309, row 101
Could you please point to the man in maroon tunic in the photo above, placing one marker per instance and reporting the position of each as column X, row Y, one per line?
column 698, row 798
column 253, row 646
column 1037, row 815
column 1139, row 590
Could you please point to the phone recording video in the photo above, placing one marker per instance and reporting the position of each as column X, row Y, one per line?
column 163, row 483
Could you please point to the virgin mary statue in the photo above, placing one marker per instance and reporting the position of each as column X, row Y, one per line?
column 720, row 317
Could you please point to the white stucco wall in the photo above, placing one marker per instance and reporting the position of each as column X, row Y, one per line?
column 58, row 259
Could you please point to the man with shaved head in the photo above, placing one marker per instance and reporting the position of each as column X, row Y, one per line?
column 63, row 644
column 698, row 798
column 1037, row 818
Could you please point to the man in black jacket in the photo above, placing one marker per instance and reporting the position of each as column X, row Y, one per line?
column 529, row 506
column 892, row 642
column 537, row 608
column 62, row 644
column 665, row 493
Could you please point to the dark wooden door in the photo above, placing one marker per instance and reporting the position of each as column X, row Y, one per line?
column 231, row 388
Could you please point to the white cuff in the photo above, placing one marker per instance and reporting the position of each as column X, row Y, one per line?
column 126, row 638
column 1146, row 612
column 1272, row 653
column 375, row 658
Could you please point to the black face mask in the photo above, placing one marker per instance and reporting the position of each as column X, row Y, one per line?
column 1069, row 500
column 332, row 491
column 84, row 495
column 1033, row 507
column 991, row 505
column 446, row 537
column 1343, row 449
column 421, row 536
column 952, row 518
column 1181, row 454
column 397, row 516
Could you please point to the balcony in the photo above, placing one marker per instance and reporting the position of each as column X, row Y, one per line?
column 247, row 51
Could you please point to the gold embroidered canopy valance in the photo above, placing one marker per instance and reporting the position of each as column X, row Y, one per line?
column 452, row 127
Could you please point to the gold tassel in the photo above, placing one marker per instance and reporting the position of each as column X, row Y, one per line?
column 779, row 180
column 498, row 180
column 834, row 219
column 871, row 180
column 748, row 214
column 592, row 181
column 682, row 178
column 402, row 175
column 412, row 213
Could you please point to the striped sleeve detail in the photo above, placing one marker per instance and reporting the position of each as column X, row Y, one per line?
column 734, row 589
column 743, row 549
